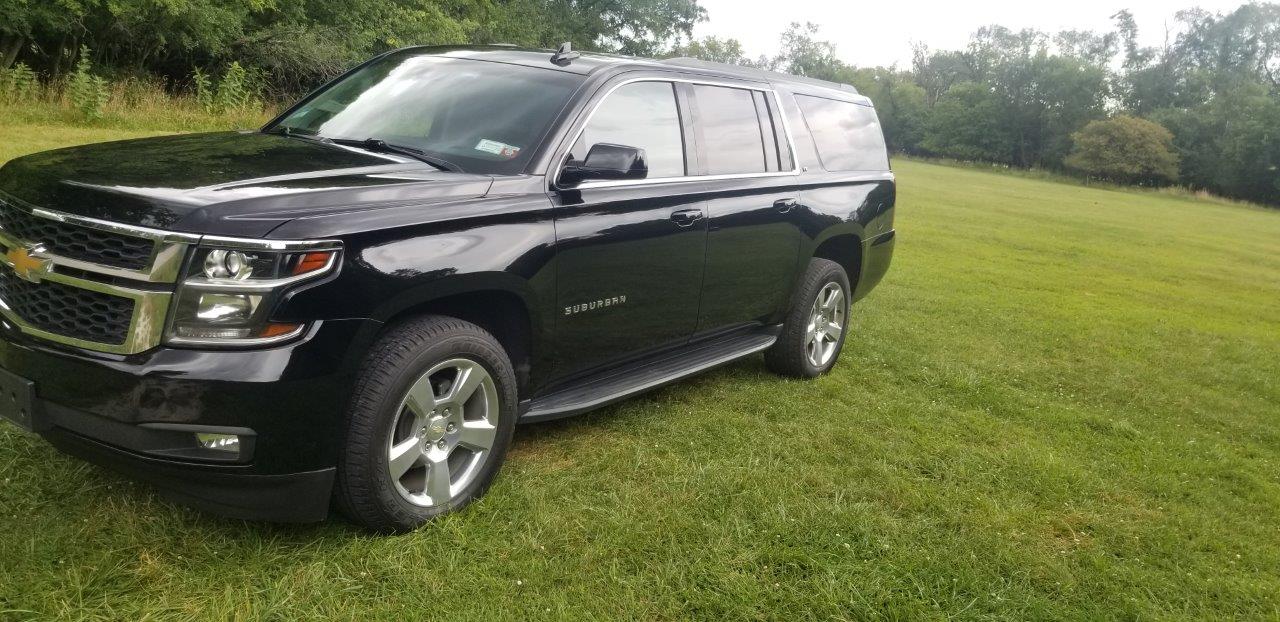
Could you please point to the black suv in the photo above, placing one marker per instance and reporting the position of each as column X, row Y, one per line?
column 359, row 301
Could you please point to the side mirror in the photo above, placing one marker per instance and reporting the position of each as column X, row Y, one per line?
column 606, row 161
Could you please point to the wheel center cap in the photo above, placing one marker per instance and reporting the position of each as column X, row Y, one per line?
column 436, row 429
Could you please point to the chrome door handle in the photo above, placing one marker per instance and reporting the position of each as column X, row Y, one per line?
column 786, row 205
column 686, row 217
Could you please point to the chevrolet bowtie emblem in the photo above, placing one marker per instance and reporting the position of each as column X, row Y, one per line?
column 26, row 262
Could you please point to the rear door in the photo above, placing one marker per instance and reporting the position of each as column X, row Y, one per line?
column 630, row 254
column 753, row 204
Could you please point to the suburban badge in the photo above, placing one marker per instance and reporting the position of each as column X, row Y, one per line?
column 595, row 304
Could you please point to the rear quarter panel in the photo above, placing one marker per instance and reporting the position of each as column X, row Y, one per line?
column 855, row 203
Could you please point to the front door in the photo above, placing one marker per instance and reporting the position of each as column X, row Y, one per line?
column 629, row 254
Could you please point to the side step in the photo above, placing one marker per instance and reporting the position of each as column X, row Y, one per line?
column 629, row 380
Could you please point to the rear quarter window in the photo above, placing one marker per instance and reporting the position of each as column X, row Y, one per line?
column 847, row 135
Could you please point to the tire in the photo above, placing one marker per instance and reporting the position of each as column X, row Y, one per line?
column 793, row 354
column 438, row 394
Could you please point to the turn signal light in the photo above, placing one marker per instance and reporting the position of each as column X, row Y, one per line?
column 276, row 329
column 310, row 262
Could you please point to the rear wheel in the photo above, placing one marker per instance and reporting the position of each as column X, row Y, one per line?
column 429, row 424
column 814, row 331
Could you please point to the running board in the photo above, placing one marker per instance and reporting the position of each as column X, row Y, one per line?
column 629, row 380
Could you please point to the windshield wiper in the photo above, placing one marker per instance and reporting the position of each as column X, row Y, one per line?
column 293, row 132
column 377, row 144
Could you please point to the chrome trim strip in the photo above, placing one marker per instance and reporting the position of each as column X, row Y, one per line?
column 271, row 245
column 674, row 180
column 777, row 101
column 845, row 178
column 158, row 235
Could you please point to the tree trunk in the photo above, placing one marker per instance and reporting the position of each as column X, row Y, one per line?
column 10, row 46
column 55, row 67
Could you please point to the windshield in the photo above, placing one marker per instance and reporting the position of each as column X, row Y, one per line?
column 484, row 117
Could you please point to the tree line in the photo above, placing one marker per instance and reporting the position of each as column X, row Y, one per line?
column 293, row 45
column 1201, row 110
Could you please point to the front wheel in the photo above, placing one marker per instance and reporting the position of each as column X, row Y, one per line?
column 429, row 425
column 814, row 331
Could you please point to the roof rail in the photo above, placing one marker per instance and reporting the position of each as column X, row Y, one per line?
column 763, row 74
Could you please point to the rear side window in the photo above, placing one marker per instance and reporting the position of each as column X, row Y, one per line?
column 640, row 114
column 730, row 131
column 847, row 135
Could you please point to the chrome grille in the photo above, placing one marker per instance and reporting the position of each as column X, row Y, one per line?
column 76, row 242
column 83, row 282
column 68, row 311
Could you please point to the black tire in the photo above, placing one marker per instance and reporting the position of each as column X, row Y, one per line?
column 789, row 355
column 365, row 491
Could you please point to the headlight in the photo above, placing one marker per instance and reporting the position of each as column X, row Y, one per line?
column 229, row 290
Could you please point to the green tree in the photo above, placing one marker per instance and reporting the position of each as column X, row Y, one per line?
column 1125, row 149
column 969, row 124
column 803, row 54
column 638, row 27
column 716, row 50
column 1231, row 145
column 900, row 104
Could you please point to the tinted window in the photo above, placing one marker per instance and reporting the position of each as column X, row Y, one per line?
column 485, row 117
column 644, row 115
column 847, row 135
column 729, row 129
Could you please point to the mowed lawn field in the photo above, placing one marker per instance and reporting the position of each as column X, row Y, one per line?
column 1062, row 403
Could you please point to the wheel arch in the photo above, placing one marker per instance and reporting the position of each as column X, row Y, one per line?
column 500, row 303
column 844, row 248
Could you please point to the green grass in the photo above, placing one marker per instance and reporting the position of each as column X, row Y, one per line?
column 1062, row 403
column 29, row 127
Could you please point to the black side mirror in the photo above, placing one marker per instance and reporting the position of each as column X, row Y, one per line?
column 606, row 161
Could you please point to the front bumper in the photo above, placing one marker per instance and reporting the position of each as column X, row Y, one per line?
column 132, row 413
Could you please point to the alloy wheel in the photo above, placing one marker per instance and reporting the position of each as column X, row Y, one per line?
column 826, row 325
column 443, row 433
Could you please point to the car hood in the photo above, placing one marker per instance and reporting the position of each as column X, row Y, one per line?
column 225, row 183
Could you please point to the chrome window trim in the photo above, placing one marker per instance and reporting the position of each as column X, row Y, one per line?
column 674, row 180
column 777, row 100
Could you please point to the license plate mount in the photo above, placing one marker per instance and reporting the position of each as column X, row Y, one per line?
column 18, row 401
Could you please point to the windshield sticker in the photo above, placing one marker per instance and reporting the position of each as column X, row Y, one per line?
column 499, row 149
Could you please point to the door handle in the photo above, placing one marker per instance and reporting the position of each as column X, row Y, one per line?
column 786, row 205
column 686, row 217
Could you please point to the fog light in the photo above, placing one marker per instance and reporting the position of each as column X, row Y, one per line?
column 219, row 442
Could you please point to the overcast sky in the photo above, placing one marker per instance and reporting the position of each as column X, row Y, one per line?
column 881, row 33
